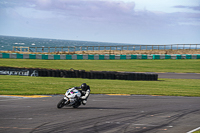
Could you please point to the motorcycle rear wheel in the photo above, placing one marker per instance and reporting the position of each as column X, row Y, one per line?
column 76, row 106
column 61, row 103
column 78, row 103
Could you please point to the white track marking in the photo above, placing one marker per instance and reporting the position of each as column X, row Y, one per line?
column 196, row 129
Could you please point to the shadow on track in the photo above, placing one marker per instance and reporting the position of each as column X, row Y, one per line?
column 96, row 108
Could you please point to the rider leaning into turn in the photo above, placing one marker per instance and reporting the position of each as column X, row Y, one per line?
column 85, row 92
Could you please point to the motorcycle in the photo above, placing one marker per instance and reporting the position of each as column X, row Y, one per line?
column 71, row 98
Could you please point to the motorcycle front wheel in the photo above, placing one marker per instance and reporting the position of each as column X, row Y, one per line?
column 61, row 103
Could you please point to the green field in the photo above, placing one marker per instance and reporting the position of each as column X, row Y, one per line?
column 178, row 66
column 22, row 85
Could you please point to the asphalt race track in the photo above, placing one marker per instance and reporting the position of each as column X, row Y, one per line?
column 102, row 114
column 178, row 75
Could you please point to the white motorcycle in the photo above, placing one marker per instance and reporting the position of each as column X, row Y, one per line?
column 71, row 98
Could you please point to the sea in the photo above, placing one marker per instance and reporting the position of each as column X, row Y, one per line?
column 7, row 43
column 42, row 44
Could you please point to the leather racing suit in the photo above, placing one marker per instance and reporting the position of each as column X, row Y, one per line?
column 84, row 94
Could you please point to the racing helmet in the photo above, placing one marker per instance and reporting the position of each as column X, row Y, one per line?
column 84, row 86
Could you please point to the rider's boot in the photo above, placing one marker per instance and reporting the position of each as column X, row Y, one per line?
column 84, row 102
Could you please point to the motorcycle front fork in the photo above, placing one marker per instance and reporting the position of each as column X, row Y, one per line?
column 66, row 100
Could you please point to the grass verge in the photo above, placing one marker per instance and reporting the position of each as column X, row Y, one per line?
column 178, row 66
column 21, row 85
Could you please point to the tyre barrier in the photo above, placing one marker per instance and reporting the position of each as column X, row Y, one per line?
column 78, row 74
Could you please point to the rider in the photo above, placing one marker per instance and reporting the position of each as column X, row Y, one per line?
column 85, row 92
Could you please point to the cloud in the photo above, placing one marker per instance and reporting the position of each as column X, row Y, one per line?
column 196, row 8
column 88, row 9
column 98, row 11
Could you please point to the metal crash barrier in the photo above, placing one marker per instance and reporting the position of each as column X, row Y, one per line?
column 97, row 57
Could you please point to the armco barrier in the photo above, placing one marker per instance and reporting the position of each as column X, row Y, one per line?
column 96, row 57
column 77, row 74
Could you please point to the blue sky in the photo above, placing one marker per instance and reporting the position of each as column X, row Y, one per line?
column 118, row 21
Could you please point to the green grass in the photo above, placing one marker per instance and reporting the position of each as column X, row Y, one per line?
column 178, row 66
column 21, row 85
column 197, row 131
